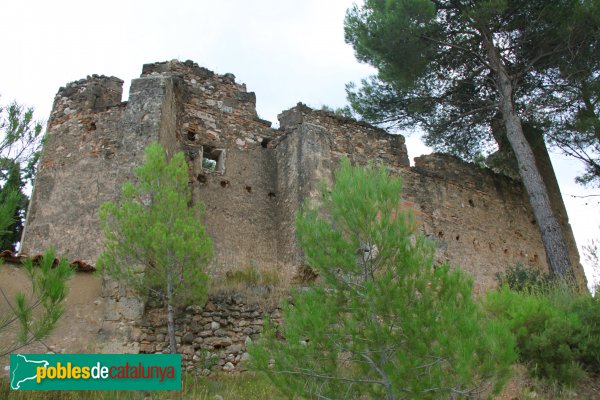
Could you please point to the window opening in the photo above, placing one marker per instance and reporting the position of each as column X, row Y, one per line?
column 213, row 160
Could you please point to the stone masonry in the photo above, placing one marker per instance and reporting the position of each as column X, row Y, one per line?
column 252, row 179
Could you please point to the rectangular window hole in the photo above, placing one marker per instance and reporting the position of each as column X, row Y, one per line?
column 213, row 160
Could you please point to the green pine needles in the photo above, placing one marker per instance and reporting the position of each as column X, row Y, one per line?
column 383, row 321
column 34, row 315
column 154, row 241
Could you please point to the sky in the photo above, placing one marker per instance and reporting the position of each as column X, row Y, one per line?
column 284, row 50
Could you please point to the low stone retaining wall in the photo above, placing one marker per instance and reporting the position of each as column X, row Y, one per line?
column 210, row 338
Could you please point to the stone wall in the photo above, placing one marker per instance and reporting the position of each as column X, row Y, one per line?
column 213, row 337
column 480, row 220
column 216, row 118
column 252, row 179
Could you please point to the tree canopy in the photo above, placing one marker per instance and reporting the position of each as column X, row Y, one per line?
column 20, row 146
column 478, row 74
column 433, row 70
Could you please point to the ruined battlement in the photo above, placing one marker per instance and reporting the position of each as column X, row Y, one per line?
column 252, row 180
column 94, row 93
column 357, row 140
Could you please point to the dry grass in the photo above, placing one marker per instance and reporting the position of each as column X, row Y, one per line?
column 523, row 387
column 248, row 386
column 267, row 287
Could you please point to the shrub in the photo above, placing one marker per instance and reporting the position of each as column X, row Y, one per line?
column 522, row 278
column 557, row 330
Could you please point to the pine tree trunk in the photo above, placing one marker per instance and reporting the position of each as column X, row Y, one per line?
column 170, row 314
column 550, row 229
column 535, row 138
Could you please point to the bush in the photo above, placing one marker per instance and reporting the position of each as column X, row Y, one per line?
column 557, row 330
column 523, row 278
column 588, row 310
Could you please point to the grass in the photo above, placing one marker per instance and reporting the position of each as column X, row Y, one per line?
column 247, row 386
column 261, row 286
column 524, row 387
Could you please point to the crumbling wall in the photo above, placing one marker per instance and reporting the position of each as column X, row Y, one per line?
column 216, row 118
column 480, row 220
column 94, row 142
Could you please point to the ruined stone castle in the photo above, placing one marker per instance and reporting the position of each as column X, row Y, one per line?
column 252, row 179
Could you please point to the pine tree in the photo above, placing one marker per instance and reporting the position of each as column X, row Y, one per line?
column 457, row 68
column 34, row 315
column 20, row 145
column 154, row 242
column 384, row 321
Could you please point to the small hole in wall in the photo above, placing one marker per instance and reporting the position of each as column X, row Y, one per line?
column 271, row 195
column 201, row 178
column 536, row 258
column 248, row 189
column 265, row 143
column 191, row 136
column 441, row 234
column 471, row 203
column 224, row 184
column 457, row 237
column 93, row 126
column 533, row 222
column 505, row 251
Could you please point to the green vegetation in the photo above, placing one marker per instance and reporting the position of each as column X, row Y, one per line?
column 524, row 278
column 263, row 286
column 34, row 315
column 20, row 145
column 345, row 111
column 477, row 76
column 557, row 329
column 247, row 386
column 154, row 240
column 444, row 65
column 384, row 322
column 251, row 276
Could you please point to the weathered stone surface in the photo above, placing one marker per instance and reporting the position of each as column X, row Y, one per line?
column 188, row 338
column 234, row 348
